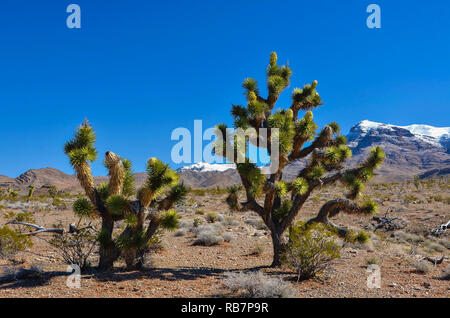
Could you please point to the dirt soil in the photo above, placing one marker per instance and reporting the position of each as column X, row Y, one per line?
column 182, row 269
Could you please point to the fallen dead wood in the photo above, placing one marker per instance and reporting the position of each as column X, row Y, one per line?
column 440, row 230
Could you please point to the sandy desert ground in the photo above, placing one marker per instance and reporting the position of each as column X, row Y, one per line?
column 181, row 269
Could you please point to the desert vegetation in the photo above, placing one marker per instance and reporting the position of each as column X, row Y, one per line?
column 265, row 237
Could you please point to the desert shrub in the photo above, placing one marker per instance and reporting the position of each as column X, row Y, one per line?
column 52, row 191
column 200, row 212
column 409, row 198
column 422, row 267
column 257, row 250
column 230, row 221
column 12, row 242
column 227, row 237
column 445, row 242
column 180, row 232
column 75, row 248
column 434, row 247
column 371, row 260
column 58, row 203
column 256, row 223
column 361, row 237
column 208, row 239
column 211, row 217
column 310, row 249
column 446, row 274
column 197, row 222
column 257, row 285
column 208, row 235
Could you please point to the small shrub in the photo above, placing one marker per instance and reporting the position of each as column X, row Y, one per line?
column 227, row 237
column 422, row 267
column 75, row 248
column 212, row 217
column 208, row 235
column 256, row 223
column 200, row 212
column 208, row 239
column 230, row 221
column 180, row 232
column 197, row 222
column 12, row 242
column 257, row 250
column 257, row 285
column 310, row 249
column 446, row 274
column 372, row 261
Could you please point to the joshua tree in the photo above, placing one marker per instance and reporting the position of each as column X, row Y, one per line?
column 52, row 191
column 111, row 201
column 30, row 191
column 324, row 153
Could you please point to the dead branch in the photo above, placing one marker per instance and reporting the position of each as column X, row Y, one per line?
column 440, row 230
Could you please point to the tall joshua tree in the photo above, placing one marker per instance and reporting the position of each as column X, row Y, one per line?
column 276, row 201
column 112, row 201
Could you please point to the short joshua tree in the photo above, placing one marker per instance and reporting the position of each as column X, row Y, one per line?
column 278, row 202
column 150, row 211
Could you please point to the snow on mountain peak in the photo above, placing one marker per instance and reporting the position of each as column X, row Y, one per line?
column 415, row 129
column 206, row 167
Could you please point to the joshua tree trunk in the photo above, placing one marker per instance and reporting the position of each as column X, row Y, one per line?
column 108, row 251
column 277, row 242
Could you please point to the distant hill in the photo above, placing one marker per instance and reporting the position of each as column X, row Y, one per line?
column 410, row 150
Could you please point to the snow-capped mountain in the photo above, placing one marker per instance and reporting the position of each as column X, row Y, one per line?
column 436, row 136
column 207, row 167
column 410, row 150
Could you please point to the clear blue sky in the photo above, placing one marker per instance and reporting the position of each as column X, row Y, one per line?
column 139, row 69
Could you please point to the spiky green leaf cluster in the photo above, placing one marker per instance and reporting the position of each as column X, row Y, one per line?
column 169, row 220
column 253, row 175
column 160, row 176
column 286, row 130
column 278, row 77
column 370, row 207
column 375, row 159
column 117, row 204
column 280, row 212
column 299, row 186
column 103, row 191
column 177, row 193
column 316, row 172
column 128, row 188
column 305, row 127
column 136, row 240
column 306, row 98
column 82, row 207
column 81, row 148
column 281, row 188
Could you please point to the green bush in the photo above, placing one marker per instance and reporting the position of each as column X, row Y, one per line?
column 12, row 242
column 211, row 217
column 310, row 249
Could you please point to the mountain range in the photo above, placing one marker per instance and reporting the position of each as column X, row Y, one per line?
column 410, row 150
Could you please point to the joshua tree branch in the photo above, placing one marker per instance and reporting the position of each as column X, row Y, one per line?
column 331, row 209
column 39, row 229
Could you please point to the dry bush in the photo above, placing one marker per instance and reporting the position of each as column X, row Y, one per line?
column 422, row 267
column 75, row 248
column 257, row 285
